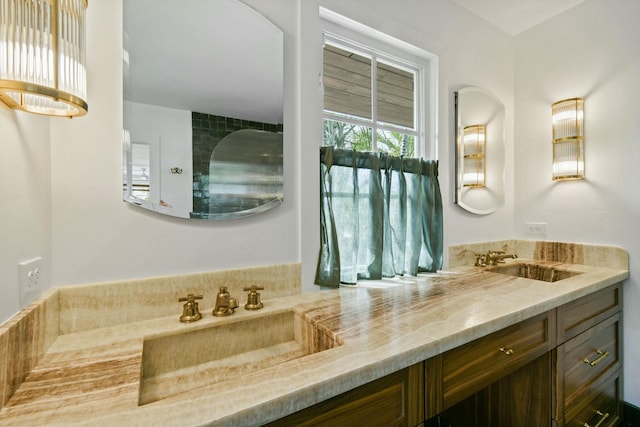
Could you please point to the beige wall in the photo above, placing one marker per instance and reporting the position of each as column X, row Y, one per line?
column 590, row 51
column 98, row 237
column 70, row 210
column 25, row 201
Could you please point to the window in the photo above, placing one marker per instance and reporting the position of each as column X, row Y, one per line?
column 376, row 91
column 380, row 203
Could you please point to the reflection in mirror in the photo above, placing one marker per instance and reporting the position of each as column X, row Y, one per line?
column 245, row 174
column 479, row 159
column 472, row 149
column 203, row 107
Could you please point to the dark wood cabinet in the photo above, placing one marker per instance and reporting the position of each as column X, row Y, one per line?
column 600, row 406
column 394, row 400
column 565, row 370
column 579, row 315
column 589, row 361
column 471, row 367
column 562, row 368
column 522, row 398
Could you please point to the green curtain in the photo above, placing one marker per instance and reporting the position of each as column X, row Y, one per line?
column 380, row 216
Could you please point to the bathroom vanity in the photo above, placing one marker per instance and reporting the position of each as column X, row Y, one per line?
column 562, row 368
column 470, row 345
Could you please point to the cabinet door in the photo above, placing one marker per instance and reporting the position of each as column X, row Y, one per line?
column 601, row 407
column 584, row 364
column 473, row 366
column 394, row 400
column 520, row 399
column 524, row 397
column 588, row 356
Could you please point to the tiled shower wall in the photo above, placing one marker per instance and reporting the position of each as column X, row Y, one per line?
column 208, row 131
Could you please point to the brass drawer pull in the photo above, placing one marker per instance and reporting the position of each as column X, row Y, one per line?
column 598, row 360
column 508, row 352
column 604, row 417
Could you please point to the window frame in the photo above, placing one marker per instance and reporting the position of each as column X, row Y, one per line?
column 348, row 34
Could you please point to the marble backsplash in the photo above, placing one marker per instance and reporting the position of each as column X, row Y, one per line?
column 136, row 300
column 24, row 339
column 574, row 253
column 63, row 310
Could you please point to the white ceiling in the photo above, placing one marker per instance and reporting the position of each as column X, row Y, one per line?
column 160, row 49
column 516, row 16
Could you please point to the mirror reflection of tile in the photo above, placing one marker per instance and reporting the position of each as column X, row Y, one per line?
column 208, row 131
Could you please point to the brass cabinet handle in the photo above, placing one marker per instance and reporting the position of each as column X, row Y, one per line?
column 598, row 360
column 508, row 352
column 604, row 417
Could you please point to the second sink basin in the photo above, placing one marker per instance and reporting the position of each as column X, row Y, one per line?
column 179, row 363
column 534, row 271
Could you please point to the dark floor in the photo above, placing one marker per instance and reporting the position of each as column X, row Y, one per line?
column 631, row 416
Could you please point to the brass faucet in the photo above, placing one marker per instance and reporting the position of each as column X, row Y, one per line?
column 190, row 312
column 225, row 305
column 497, row 257
column 481, row 260
column 253, row 299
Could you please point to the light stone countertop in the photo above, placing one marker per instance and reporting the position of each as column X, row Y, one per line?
column 93, row 377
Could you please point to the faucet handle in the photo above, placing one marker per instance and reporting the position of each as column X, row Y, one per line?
column 190, row 312
column 190, row 297
column 481, row 260
column 253, row 299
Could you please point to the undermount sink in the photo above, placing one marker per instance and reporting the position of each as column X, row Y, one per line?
column 179, row 363
column 534, row 271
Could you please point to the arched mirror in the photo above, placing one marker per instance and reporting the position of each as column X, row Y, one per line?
column 203, row 108
column 479, row 150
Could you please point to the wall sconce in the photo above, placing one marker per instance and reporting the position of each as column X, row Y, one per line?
column 568, row 139
column 42, row 56
column 473, row 160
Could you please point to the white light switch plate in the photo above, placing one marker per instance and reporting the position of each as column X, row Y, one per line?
column 30, row 276
column 537, row 228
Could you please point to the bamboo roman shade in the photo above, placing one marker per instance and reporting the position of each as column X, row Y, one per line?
column 348, row 88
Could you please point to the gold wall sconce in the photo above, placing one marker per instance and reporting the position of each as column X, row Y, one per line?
column 473, row 159
column 568, row 139
column 42, row 56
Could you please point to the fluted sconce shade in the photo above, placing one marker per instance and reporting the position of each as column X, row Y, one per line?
column 568, row 139
column 42, row 56
column 473, row 160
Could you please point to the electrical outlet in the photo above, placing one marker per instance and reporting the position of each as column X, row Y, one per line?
column 538, row 228
column 30, row 274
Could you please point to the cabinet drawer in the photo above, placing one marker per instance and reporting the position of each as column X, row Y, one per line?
column 471, row 367
column 579, row 315
column 586, row 358
column 394, row 400
column 600, row 405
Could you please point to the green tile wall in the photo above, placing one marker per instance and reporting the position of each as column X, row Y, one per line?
column 208, row 131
